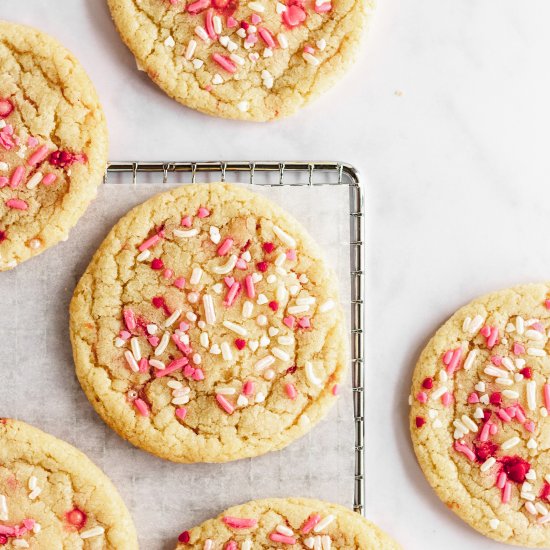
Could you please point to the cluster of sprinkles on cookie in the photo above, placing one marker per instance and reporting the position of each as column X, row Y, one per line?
column 495, row 415
column 272, row 303
column 224, row 44
column 27, row 162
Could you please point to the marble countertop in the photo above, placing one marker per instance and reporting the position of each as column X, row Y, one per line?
column 447, row 116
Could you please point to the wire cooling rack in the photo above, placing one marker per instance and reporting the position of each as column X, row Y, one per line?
column 274, row 174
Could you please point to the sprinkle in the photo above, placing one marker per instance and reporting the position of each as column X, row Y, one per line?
column 248, row 308
column 439, row 392
column 280, row 354
column 225, row 247
column 536, row 352
column 290, row 390
column 227, row 267
column 243, row 106
column 196, row 276
column 327, row 306
column 278, row 537
column 249, row 285
column 285, row 237
column 225, row 404
column 3, row 508
column 93, row 532
column 323, row 524
column 241, row 331
column 265, row 362
column 38, row 156
column 17, row 204
column 494, row 523
column 510, row 443
column 173, row 318
column 489, row 463
column 531, row 388
column 185, row 234
column 49, row 179
column 163, row 343
column 261, row 320
column 465, row 450
column 209, row 310
column 312, row 377
column 226, row 351
column 130, row 359
column 240, row 523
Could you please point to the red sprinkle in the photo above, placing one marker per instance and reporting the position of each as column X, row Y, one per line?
column 3, row 236
column 428, row 383
column 420, row 421
column 495, row 398
column 527, row 372
column 274, row 305
column 268, row 247
column 157, row 264
column 185, row 537
column 240, row 343
column 262, row 266
column 515, row 468
column 63, row 159
column 77, row 518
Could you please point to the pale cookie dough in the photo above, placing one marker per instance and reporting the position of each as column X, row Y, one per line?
column 53, row 143
column 207, row 327
column 53, row 497
column 251, row 60
column 479, row 415
column 287, row 523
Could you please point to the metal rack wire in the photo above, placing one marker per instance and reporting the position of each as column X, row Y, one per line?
column 270, row 173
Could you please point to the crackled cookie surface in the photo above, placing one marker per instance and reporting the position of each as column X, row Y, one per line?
column 207, row 328
column 53, row 143
column 287, row 523
column 254, row 60
column 52, row 496
column 479, row 416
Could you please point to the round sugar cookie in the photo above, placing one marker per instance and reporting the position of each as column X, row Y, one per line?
column 251, row 60
column 53, row 143
column 287, row 523
column 53, row 496
column 207, row 327
column 479, row 415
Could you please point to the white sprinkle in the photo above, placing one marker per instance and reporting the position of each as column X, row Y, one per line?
column 260, row 397
column 443, row 376
column 119, row 342
column 273, row 331
column 204, row 340
column 253, row 344
column 128, row 355
column 143, row 255
column 209, row 311
column 180, row 400
column 476, row 324
column 241, row 32
column 306, row 301
column 285, row 340
column 437, row 423
column 196, row 276
column 198, row 63
column 237, row 59
column 243, row 106
column 285, row 237
column 217, row 79
column 35, row 493
column 480, row 386
column 201, row 33
column 4, row 165
column 169, row 42
column 215, row 236
column 543, row 412
column 321, row 44
column 439, row 392
column 217, row 288
column 186, row 233
column 520, row 324
column 246, row 545
column 531, row 474
column 190, row 50
column 309, row 542
column 197, row 359
column 248, row 308
column 261, row 320
column 469, row 423
column 324, row 523
column 226, row 391
column 136, row 350
column 35, row 180
column 496, row 372
column 173, row 318
column 326, row 542
column 311, row 59
column 242, row 401
column 215, row 349
column 152, row 329
column 174, row 384
column 311, row 376
column 280, row 354
column 264, row 362
column 264, row 341
column 257, row 277
column 504, row 381
column 327, row 306
column 541, row 508
column 489, row 463
column 227, row 267
column 159, row 350
column 281, row 294
column 508, row 363
column 226, row 351
column 459, row 425
column 536, row 352
column 531, row 388
column 262, row 299
column 484, row 399
column 190, row 315
column 20, row 543
column 509, row 443
column 494, row 523
column 293, row 310
column 256, row 6
column 216, row 20
column 284, row 530
column 241, row 331
column 93, row 532
column 479, row 414
column 280, row 8
column 283, row 42
column 530, row 507
column 534, row 335
column 510, row 394
column 3, row 508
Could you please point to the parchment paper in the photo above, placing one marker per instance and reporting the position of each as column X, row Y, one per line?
column 39, row 386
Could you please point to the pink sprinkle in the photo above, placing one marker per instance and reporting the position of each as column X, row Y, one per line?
column 290, row 390
column 530, row 426
column 453, row 364
column 309, row 49
column 231, row 22
column 493, row 338
column 181, row 413
column 278, row 537
column 249, row 284
column 239, row 523
column 49, row 179
column 289, row 321
column 225, row 247
column 198, row 6
column 255, row 19
column 143, row 365
column 422, row 397
column 507, row 492
column 32, row 142
column 323, row 8
column 465, row 450
column 224, row 404
column 484, row 436
column 537, row 326
column 209, row 24
column 310, row 523
column 232, row 294
column 231, row 545
column 187, row 221
column 17, row 204
column 447, row 398
column 267, row 37
column 141, row 406
column 501, row 480
column 496, row 360
column 248, row 388
column 173, row 366
column 241, row 264
column 518, row 349
column 203, row 212
column 3, row 181
column 129, row 319
column 303, row 322
column 38, row 156
column 520, row 416
column 335, row 389
column 473, row 398
column 447, row 357
column 485, row 331
column 198, row 375
column 17, row 177
column 179, row 283
column 503, row 415
column 168, row 273
column 229, row 281
column 511, row 411
column 294, row 16
column 224, row 62
column 153, row 340
column 125, row 335
column 547, row 304
column 547, row 396
column 291, row 254
column 493, row 429
column 189, row 371
column 148, row 243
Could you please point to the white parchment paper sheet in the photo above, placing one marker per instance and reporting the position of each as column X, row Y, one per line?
column 39, row 385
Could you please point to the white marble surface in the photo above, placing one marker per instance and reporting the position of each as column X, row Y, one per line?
column 457, row 199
